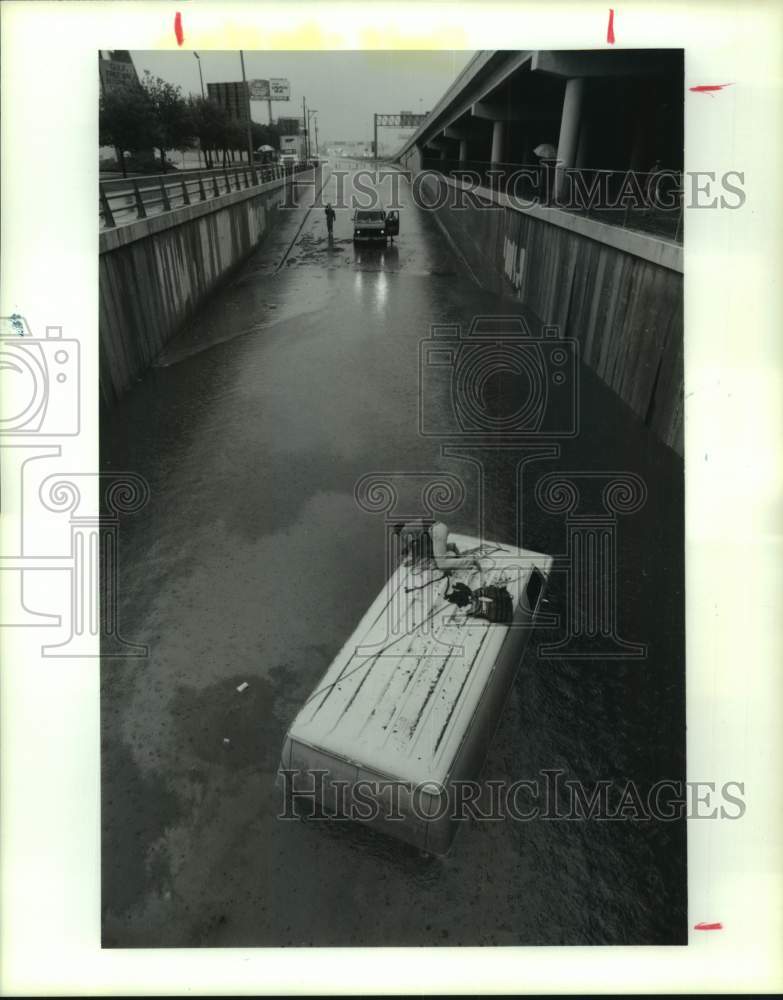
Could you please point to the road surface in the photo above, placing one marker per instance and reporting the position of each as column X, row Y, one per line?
column 252, row 563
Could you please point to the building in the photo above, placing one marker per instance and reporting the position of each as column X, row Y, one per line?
column 116, row 70
column 116, row 73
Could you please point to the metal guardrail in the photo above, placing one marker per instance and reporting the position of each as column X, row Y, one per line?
column 129, row 199
column 645, row 201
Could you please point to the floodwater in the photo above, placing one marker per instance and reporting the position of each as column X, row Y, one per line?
column 252, row 563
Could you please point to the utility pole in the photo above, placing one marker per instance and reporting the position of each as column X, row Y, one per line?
column 304, row 124
column 311, row 113
column 249, row 128
column 375, row 136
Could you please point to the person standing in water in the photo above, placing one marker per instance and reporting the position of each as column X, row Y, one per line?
column 330, row 214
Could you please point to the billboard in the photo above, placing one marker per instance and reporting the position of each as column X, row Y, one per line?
column 259, row 90
column 280, row 89
column 289, row 126
column 233, row 98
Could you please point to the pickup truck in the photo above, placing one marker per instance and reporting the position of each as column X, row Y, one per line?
column 371, row 224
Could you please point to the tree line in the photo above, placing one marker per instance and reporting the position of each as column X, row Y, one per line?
column 154, row 115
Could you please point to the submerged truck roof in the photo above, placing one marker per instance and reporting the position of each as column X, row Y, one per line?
column 400, row 695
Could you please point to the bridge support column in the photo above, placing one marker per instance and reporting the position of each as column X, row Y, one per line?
column 569, row 129
column 463, row 150
column 498, row 137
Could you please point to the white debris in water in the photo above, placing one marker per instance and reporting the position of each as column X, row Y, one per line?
column 242, row 686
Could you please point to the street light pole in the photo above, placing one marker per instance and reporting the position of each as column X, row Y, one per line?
column 200, row 75
column 249, row 127
column 203, row 98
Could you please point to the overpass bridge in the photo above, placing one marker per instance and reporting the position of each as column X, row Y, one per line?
column 558, row 176
column 505, row 105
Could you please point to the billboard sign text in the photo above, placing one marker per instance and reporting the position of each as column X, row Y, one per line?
column 259, row 90
column 280, row 90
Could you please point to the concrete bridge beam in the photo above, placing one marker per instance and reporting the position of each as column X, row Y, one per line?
column 581, row 64
column 502, row 113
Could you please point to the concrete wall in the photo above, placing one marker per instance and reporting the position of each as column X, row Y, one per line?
column 156, row 273
column 619, row 293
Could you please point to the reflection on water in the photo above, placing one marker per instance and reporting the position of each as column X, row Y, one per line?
column 376, row 257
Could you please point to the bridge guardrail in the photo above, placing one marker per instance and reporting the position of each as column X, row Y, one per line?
column 126, row 200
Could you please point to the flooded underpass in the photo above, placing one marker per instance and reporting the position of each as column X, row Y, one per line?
column 251, row 565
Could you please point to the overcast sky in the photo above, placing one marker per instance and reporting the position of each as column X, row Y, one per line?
column 345, row 87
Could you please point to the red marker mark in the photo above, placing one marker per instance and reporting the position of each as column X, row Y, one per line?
column 610, row 28
column 178, row 28
column 709, row 88
column 708, row 927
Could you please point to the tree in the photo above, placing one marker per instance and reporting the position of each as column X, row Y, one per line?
column 236, row 138
column 265, row 135
column 212, row 125
column 125, row 121
column 173, row 124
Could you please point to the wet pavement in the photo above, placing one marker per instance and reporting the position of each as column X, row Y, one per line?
column 253, row 563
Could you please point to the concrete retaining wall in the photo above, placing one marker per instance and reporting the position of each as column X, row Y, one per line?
column 619, row 293
column 156, row 273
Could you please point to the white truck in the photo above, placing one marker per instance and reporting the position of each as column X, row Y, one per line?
column 411, row 702
column 292, row 149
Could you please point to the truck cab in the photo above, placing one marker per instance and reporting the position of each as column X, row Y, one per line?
column 375, row 224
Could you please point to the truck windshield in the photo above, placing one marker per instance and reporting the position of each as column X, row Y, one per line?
column 369, row 216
